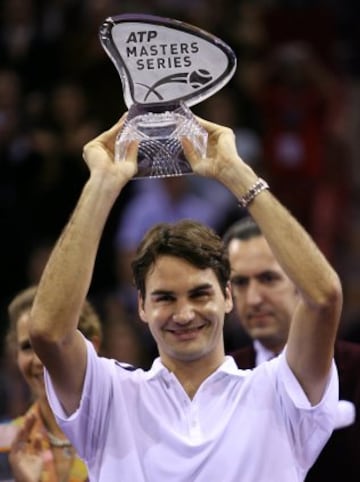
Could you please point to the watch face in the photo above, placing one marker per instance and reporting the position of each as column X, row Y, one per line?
column 163, row 60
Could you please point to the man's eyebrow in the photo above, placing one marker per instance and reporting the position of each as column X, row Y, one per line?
column 261, row 274
column 268, row 272
column 203, row 286
column 239, row 276
column 161, row 292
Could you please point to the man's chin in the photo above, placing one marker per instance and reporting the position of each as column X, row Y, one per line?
column 262, row 334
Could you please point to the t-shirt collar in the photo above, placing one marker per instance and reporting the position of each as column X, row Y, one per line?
column 158, row 368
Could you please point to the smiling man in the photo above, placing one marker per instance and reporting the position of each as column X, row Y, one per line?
column 194, row 416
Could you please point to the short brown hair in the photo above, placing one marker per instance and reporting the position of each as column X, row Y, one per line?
column 244, row 229
column 186, row 239
column 89, row 321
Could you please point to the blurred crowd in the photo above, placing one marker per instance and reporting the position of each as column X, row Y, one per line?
column 293, row 103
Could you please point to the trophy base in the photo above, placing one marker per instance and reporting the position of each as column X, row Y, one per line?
column 159, row 132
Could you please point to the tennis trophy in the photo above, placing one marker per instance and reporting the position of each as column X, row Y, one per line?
column 165, row 66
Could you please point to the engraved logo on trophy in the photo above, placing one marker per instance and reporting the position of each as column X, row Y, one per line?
column 165, row 66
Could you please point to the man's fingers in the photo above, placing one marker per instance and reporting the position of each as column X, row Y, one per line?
column 132, row 151
column 190, row 151
column 115, row 128
column 209, row 126
column 110, row 134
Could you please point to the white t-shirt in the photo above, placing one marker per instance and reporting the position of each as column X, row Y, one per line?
column 241, row 426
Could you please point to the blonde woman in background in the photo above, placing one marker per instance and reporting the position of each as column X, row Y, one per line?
column 34, row 448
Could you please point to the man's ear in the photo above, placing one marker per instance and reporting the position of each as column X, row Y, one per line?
column 228, row 298
column 141, row 311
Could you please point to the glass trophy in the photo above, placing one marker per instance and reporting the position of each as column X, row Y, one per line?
column 165, row 66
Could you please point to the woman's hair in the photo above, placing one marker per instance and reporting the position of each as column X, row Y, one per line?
column 89, row 322
column 187, row 239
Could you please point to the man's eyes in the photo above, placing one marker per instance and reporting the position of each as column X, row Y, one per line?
column 266, row 278
column 169, row 298
column 200, row 294
column 239, row 281
column 163, row 298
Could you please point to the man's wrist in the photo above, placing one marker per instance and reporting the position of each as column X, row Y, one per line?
column 259, row 186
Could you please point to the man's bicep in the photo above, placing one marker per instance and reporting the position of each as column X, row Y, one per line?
column 310, row 349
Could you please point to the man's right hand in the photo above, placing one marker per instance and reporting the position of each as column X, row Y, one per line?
column 99, row 155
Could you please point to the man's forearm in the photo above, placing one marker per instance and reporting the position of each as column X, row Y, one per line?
column 293, row 247
column 298, row 254
column 67, row 276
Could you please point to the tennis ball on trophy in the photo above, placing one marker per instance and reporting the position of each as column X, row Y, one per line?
column 200, row 77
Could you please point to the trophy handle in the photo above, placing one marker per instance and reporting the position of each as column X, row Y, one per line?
column 159, row 131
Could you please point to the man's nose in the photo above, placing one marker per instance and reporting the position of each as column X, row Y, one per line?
column 253, row 293
column 183, row 313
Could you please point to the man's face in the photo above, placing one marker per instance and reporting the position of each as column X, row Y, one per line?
column 264, row 297
column 185, row 308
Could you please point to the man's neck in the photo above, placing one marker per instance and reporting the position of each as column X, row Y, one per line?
column 263, row 353
column 191, row 374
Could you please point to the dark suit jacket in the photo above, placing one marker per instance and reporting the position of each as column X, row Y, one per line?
column 339, row 461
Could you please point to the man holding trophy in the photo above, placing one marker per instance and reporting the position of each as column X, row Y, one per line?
column 193, row 416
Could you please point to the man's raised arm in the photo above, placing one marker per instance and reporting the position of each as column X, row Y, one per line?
column 66, row 279
column 316, row 319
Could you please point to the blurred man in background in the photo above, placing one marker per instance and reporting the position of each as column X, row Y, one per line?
column 265, row 300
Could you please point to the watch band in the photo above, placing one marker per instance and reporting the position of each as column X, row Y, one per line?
column 256, row 189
